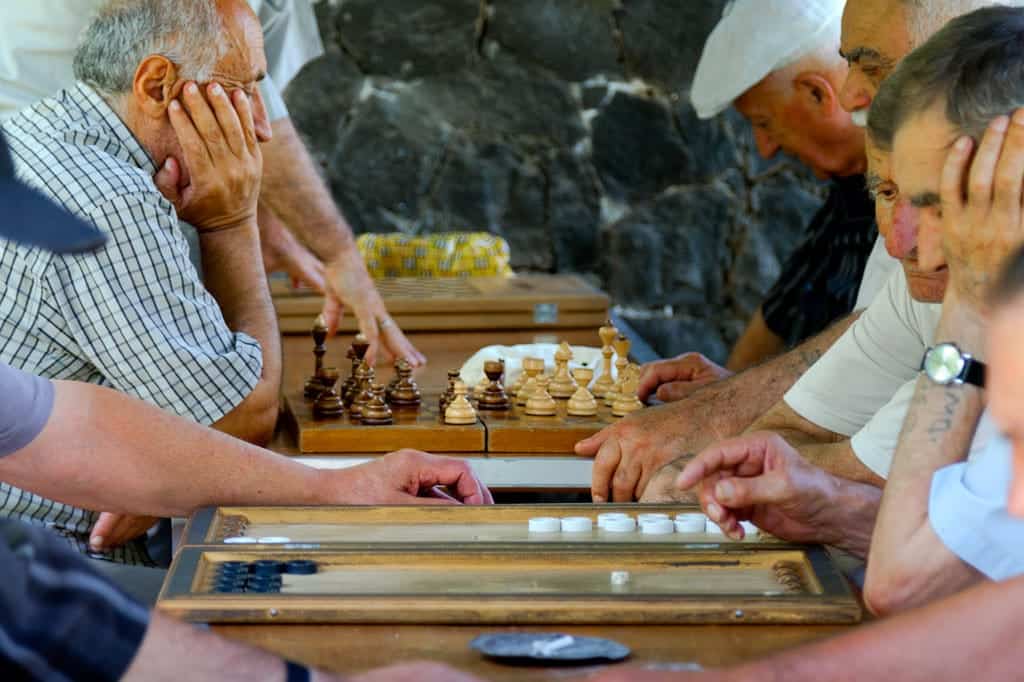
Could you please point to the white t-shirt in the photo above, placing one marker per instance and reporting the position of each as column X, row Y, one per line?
column 877, row 272
column 38, row 40
column 863, row 385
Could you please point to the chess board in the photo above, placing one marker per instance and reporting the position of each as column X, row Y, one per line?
column 459, row 304
column 511, row 431
column 480, row 565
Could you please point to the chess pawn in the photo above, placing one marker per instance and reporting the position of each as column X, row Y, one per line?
column 606, row 381
column 405, row 393
column 460, row 411
column 348, row 388
column 562, row 385
column 532, row 367
column 316, row 383
column 328, row 404
column 393, row 383
column 363, row 393
column 494, row 397
column 376, row 412
column 627, row 400
column 541, row 404
column 582, row 403
column 449, row 393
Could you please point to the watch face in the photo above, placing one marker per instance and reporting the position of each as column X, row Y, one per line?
column 944, row 363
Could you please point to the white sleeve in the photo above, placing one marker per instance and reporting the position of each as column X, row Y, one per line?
column 865, row 368
column 291, row 36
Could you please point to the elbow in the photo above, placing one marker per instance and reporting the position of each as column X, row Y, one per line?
column 253, row 422
column 262, row 425
column 890, row 590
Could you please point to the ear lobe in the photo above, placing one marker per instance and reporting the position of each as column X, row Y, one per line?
column 155, row 85
column 817, row 91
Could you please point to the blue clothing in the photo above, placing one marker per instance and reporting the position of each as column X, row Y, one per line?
column 26, row 402
column 967, row 510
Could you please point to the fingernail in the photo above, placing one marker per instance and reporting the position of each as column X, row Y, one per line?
column 96, row 543
column 1018, row 117
column 192, row 89
column 1000, row 123
column 216, row 89
column 175, row 105
column 963, row 143
column 714, row 512
column 724, row 491
column 167, row 164
column 598, row 499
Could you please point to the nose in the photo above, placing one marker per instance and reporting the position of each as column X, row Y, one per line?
column 857, row 91
column 766, row 146
column 260, row 119
column 930, row 256
column 901, row 236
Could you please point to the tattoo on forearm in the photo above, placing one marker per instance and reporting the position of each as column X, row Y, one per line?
column 942, row 425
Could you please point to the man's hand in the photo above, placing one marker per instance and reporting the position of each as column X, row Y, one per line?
column 283, row 252
column 636, row 673
column 677, row 378
column 114, row 530
column 408, row 477
column 349, row 283
column 761, row 478
column 415, row 672
column 628, row 453
column 979, row 230
column 221, row 155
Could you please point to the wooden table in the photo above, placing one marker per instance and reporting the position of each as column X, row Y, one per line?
column 349, row 649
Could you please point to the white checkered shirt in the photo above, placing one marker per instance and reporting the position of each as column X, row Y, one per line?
column 135, row 315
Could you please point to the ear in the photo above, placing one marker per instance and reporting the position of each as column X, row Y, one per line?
column 816, row 92
column 155, row 85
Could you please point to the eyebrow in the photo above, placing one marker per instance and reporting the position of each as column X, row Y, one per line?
column 859, row 53
column 925, row 200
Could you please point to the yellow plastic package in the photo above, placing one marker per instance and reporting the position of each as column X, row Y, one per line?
column 448, row 254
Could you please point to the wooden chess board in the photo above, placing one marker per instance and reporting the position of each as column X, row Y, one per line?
column 477, row 565
column 460, row 304
column 511, row 431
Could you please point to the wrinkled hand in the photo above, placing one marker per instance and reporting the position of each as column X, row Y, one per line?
column 982, row 229
column 411, row 477
column 415, row 672
column 761, row 478
column 661, row 489
column 677, row 378
column 283, row 252
column 350, row 284
column 222, row 155
column 114, row 530
column 627, row 454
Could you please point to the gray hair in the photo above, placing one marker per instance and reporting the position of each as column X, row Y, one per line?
column 190, row 33
column 926, row 17
column 974, row 67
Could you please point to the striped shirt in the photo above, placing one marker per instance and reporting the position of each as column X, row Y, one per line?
column 59, row 620
column 134, row 316
column 821, row 279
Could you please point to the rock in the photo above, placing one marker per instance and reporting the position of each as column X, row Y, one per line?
column 574, row 211
column 662, row 39
column 407, row 38
column 672, row 251
column 324, row 87
column 636, row 148
column 572, row 38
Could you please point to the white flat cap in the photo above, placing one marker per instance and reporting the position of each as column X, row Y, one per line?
column 755, row 38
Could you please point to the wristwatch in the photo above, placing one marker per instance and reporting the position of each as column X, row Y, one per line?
column 946, row 364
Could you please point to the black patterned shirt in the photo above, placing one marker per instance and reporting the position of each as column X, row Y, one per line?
column 821, row 279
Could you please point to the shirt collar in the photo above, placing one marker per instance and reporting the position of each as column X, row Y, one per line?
column 127, row 146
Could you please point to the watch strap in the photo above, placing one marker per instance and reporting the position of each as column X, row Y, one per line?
column 974, row 373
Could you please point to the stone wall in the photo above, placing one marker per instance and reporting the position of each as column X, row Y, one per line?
column 563, row 126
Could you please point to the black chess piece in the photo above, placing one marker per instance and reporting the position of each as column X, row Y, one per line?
column 316, row 384
column 376, row 412
column 494, row 396
column 449, row 393
column 363, row 394
column 328, row 404
column 405, row 392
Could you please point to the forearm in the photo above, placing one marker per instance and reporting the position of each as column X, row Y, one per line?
column 975, row 635
column 173, row 651
column 909, row 563
column 292, row 187
column 131, row 457
column 851, row 516
column 742, row 399
column 234, row 275
column 757, row 344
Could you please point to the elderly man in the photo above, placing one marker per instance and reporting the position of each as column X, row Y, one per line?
column 58, row 619
column 37, row 45
column 855, row 429
column 930, row 538
column 786, row 84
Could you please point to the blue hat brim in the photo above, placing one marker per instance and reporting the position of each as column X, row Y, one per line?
column 27, row 217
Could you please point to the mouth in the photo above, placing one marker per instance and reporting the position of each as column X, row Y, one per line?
column 860, row 118
column 913, row 269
